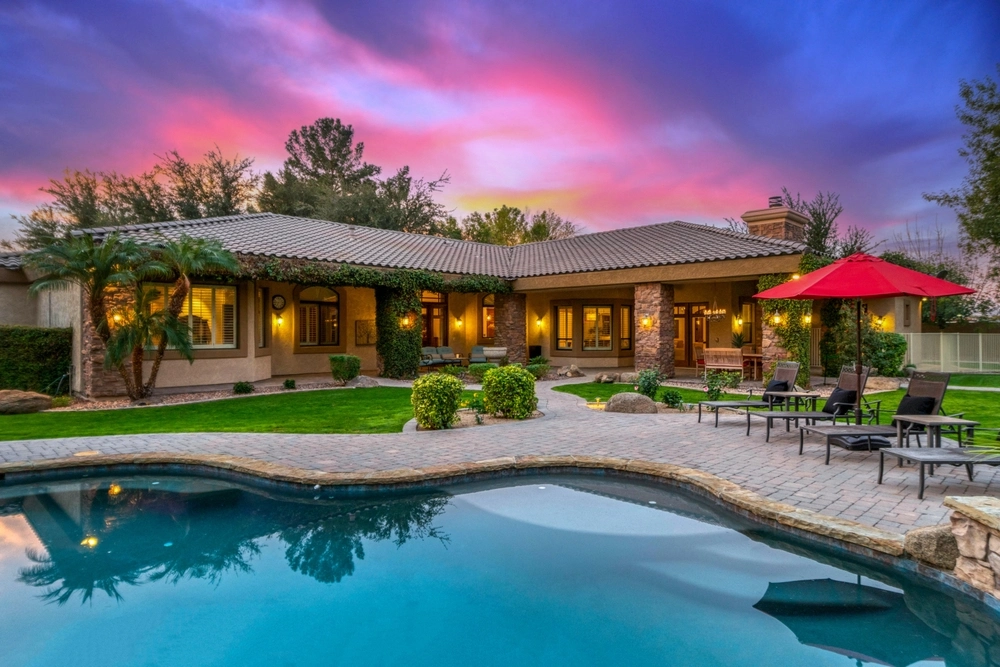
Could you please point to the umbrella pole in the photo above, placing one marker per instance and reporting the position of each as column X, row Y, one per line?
column 857, row 369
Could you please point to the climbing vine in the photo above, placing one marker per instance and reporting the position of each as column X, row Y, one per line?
column 398, row 331
column 790, row 319
column 305, row 272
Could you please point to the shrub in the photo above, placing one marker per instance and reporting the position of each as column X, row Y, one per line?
column 35, row 359
column 454, row 371
column 435, row 400
column 288, row 384
column 673, row 398
column 719, row 380
column 345, row 367
column 538, row 360
column 649, row 382
column 476, row 405
column 509, row 391
column 477, row 371
column 244, row 388
column 538, row 370
column 887, row 354
column 62, row 401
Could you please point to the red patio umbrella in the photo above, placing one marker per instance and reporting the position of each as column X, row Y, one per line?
column 862, row 276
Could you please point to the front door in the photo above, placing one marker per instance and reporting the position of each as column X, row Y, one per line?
column 690, row 333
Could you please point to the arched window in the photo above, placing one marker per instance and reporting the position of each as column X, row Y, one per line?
column 319, row 316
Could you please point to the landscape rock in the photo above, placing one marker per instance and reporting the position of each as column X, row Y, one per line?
column 363, row 381
column 630, row 403
column 934, row 545
column 606, row 378
column 570, row 371
column 14, row 402
column 972, row 538
column 629, row 378
column 976, row 573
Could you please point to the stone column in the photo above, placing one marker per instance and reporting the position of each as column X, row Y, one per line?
column 654, row 327
column 770, row 349
column 511, row 326
column 95, row 379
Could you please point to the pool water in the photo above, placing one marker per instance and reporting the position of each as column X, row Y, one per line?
column 568, row 570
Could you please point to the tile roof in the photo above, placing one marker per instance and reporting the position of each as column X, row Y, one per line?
column 304, row 238
column 10, row 260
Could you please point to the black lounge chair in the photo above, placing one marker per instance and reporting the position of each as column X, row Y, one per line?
column 785, row 373
column 839, row 404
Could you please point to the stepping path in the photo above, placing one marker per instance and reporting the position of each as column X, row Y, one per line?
column 847, row 488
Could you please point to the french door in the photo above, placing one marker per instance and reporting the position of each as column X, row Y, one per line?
column 690, row 333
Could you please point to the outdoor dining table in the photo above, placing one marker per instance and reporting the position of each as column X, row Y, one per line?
column 933, row 423
column 756, row 363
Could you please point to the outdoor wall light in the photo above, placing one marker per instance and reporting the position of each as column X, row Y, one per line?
column 739, row 321
column 795, row 276
column 405, row 321
column 646, row 321
column 807, row 319
column 776, row 319
column 458, row 322
column 279, row 320
column 538, row 323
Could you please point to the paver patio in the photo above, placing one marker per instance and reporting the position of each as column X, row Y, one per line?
column 847, row 488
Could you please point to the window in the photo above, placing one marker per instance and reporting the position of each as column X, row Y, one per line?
column 625, row 330
column 210, row 313
column 488, row 324
column 262, row 320
column 319, row 317
column 564, row 328
column 597, row 327
column 747, row 309
column 906, row 313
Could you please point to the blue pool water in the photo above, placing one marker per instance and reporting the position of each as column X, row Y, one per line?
column 529, row 571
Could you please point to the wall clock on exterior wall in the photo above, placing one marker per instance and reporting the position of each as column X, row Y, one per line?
column 278, row 302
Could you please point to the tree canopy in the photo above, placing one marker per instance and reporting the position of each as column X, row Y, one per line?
column 977, row 202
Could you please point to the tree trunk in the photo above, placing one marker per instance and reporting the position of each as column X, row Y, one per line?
column 182, row 286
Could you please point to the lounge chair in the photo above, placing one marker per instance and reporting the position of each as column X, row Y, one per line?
column 924, row 396
column 785, row 373
column 476, row 356
column 840, row 403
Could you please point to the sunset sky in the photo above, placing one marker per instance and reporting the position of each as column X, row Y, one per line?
column 612, row 113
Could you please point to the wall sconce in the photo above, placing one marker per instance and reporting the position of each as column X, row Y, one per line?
column 405, row 322
column 795, row 276
column 739, row 321
column 646, row 321
column 279, row 320
column 538, row 323
column 776, row 319
column 458, row 322
column 807, row 319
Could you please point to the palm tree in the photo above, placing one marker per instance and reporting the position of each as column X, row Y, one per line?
column 185, row 257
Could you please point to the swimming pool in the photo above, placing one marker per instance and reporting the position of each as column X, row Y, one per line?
column 561, row 570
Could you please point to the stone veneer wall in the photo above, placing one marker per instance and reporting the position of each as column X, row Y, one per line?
column 654, row 344
column 975, row 523
column 511, row 326
column 770, row 349
column 95, row 379
column 786, row 230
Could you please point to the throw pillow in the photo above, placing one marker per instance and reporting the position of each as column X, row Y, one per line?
column 840, row 396
column 776, row 385
column 915, row 405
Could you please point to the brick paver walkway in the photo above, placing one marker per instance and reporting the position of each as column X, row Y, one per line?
column 846, row 488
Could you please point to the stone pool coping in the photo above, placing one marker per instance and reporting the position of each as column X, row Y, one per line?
column 842, row 530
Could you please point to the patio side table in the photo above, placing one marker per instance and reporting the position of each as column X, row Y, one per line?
column 933, row 423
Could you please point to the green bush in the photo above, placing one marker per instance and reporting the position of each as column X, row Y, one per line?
column 538, row 360
column 62, row 401
column 673, row 398
column 345, row 367
column 288, row 384
column 509, row 391
column 719, row 380
column 35, row 359
column 244, row 388
column 887, row 353
column 436, row 399
column 454, row 371
column 477, row 371
column 538, row 370
column 649, row 382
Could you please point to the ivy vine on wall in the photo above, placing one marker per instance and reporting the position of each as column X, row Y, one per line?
column 398, row 332
column 788, row 318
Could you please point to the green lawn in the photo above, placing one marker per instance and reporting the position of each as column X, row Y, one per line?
column 375, row 410
column 975, row 380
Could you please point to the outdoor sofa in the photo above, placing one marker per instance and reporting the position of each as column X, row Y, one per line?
column 438, row 356
column 785, row 373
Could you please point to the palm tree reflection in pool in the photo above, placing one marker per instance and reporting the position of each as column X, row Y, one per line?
column 99, row 536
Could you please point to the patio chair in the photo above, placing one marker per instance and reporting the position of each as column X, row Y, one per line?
column 924, row 396
column 785, row 373
column 447, row 356
column 429, row 357
column 839, row 404
column 476, row 355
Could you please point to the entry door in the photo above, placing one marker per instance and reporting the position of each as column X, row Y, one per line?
column 435, row 319
column 690, row 333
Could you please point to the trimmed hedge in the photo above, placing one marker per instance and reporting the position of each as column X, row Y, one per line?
column 477, row 371
column 345, row 367
column 509, row 391
column 35, row 359
column 436, row 398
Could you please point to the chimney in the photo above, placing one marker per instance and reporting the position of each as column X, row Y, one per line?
column 776, row 221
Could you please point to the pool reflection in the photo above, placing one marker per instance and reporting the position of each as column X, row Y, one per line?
column 101, row 535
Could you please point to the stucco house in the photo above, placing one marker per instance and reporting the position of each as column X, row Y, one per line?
column 649, row 296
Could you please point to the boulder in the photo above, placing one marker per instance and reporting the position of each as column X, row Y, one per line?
column 631, row 403
column 971, row 537
column 362, row 381
column 570, row 371
column 934, row 545
column 606, row 378
column 629, row 378
column 14, row 402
